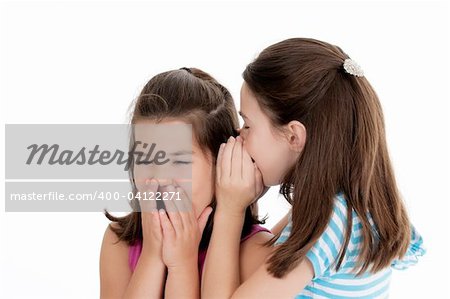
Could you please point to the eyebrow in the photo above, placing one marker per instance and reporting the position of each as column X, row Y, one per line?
column 243, row 115
column 182, row 153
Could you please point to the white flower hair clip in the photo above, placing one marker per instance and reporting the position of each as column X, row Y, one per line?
column 351, row 67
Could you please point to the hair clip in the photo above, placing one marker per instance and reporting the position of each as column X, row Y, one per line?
column 351, row 67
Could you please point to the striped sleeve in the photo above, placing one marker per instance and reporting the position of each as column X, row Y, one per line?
column 285, row 233
column 416, row 249
column 325, row 251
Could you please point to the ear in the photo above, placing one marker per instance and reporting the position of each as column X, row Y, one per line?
column 296, row 135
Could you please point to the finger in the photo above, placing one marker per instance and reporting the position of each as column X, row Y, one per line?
column 203, row 219
column 151, row 186
column 219, row 162
column 226, row 159
column 184, row 201
column 169, row 204
column 185, row 208
column 166, row 225
column 175, row 199
column 236, row 162
column 156, row 223
column 172, row 211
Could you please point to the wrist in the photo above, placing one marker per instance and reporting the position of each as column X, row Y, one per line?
column 151, row 260
column 228, row 208
column 234, row 212
column 150, row 253
column 229, row 218
column 187, row 266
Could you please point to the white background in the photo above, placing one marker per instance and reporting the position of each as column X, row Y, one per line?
column 85, row 62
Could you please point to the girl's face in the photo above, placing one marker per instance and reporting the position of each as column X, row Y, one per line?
column 186, row 161
column 268, row 147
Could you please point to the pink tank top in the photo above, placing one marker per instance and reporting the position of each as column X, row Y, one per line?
column 135, row 250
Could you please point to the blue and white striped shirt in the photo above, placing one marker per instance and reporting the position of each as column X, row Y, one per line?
column 329, row 283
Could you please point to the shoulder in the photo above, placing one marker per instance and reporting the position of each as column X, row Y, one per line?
column 254, row 252
column 114, row 267
column 109, row 235
column 111, row 240
column 337, row 223
column 326, row 251
column 257, row 238
column 112, row 247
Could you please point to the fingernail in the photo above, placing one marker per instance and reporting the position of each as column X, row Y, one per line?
column 153, row 182
column 231, row 138
column 162, row 212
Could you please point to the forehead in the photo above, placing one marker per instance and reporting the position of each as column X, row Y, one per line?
column 165, row 138
column 249, row 104
column 245, row 91
column 169, row 135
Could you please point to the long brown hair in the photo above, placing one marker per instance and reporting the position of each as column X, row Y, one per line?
column 303, row 79
column 194, row 96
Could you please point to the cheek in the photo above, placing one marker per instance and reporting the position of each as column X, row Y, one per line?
column 258, row 151
column 257, row 146
column 141, row 174
column 270, row 157
column 202, row 189
column 250, row 145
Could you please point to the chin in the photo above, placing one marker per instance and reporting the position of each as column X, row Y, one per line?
column 268, row 182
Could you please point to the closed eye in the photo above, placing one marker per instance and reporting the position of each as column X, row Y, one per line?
column 182, row 162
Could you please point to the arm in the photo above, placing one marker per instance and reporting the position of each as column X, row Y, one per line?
column 236, row 187
column 116, row 279
column 148, row 279
column 114, row 270
column 238, row 183
column 182, row 233
column 280, row 225
column 253, row 253
column 263, row 285
column 221, row 271
column 183, row 281
column 260, row 284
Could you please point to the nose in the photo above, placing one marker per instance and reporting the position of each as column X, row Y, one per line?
column 237, row 132
column 241, row 133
